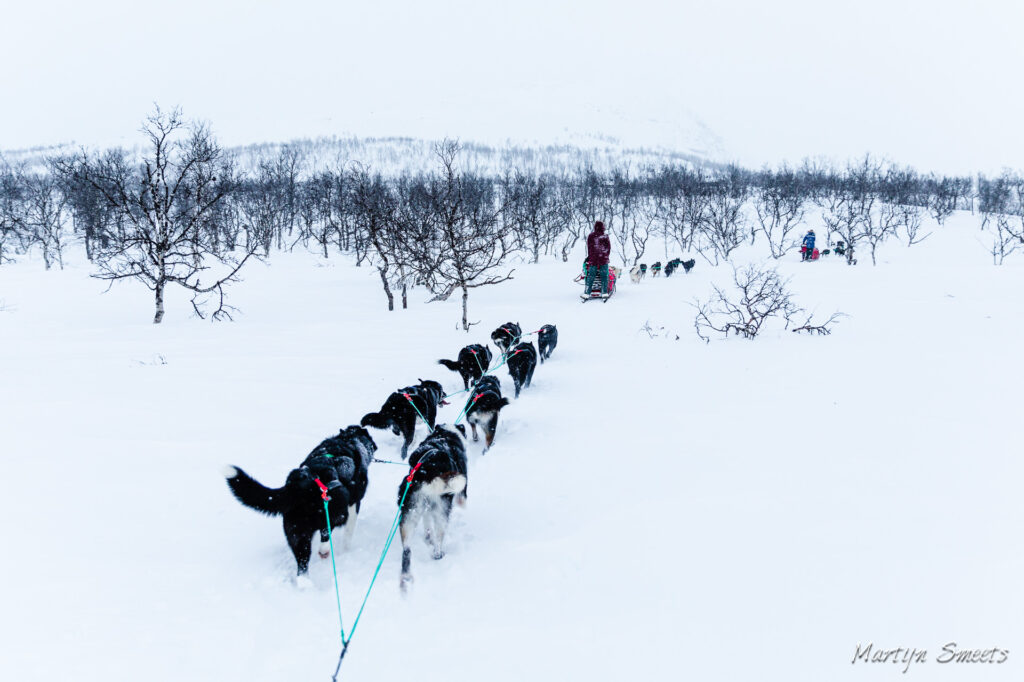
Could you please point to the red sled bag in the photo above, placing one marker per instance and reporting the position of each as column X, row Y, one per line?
column 815, row 254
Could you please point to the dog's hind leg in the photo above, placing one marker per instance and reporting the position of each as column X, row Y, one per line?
column 406, row 528
column 490, row 426
column 408, row 433
column 439, row 520
column 472, row 425
column 325, row 545
column 350, row 526
column 300, row 540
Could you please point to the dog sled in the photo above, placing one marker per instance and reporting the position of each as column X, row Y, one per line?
column 595, row 288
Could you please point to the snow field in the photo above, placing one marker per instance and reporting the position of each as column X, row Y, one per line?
column 651, row 508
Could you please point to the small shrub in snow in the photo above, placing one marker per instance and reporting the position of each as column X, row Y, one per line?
column 759, row 296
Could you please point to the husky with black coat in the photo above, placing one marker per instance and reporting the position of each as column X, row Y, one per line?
column 341, row 463
column 403, row 408
column 506, row 336
column 437, row 478
column 547, row 339
column 473, row 361
column 522, row 360
column 484, row 406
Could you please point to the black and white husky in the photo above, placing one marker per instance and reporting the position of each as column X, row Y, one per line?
column 437, row 478
column 341, row 463
column 485, row 404
column 522, row 360
column 472, row 363
column 403, row 408
column 506, row 336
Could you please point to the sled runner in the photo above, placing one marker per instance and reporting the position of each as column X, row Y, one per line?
column 595, row 289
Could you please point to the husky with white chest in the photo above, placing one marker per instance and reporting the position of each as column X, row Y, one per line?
column 506, row 336
column 436, row 480
column 341, row 465
column 484, row 407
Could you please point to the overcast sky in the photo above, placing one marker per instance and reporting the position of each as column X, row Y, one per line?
column 936, row 84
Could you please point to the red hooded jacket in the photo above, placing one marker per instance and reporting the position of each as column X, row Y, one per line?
column 599, row 248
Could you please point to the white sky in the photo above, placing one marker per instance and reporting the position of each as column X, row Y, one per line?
column 935, row 84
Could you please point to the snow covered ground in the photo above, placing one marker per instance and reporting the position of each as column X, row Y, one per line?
column 651, row 509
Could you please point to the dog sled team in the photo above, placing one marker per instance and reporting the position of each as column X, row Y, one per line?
column 599, row 277
column 337, row 470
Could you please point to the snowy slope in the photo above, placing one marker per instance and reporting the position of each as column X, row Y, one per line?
column 651, row 509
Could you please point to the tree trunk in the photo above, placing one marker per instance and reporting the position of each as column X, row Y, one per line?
column 387, row 289
column 465, row 302
column 159, row 290
column 405, row 297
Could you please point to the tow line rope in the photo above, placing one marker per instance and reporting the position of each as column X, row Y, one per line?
column 330, row 538
column 387, row 545
column 389, row 461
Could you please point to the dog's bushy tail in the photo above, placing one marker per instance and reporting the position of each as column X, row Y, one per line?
column 450, row 364
column 254, row 494
column 376, row 420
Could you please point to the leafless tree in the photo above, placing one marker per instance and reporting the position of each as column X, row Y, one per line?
column 997, row 204
column 12, row 224
column 779, row 205
column 467, row 250
column 375, row 213
column 45, row 212
column 167, row 203
column 633, row 211
column 723, row 228
column 530, row 211
column 584, row 201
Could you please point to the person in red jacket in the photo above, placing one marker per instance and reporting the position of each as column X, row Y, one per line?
column 599, row 248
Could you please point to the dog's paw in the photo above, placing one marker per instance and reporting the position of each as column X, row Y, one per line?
column 324, row 551
column 303, row 582
column 404, row 583
column 438, row 554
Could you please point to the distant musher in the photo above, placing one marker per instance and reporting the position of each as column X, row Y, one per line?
column 808, row 246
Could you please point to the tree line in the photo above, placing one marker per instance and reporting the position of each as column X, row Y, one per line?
column 185, row 213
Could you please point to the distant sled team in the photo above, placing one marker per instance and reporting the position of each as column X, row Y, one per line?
column 640, row 271
column 599, row 277
column 338, row 468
